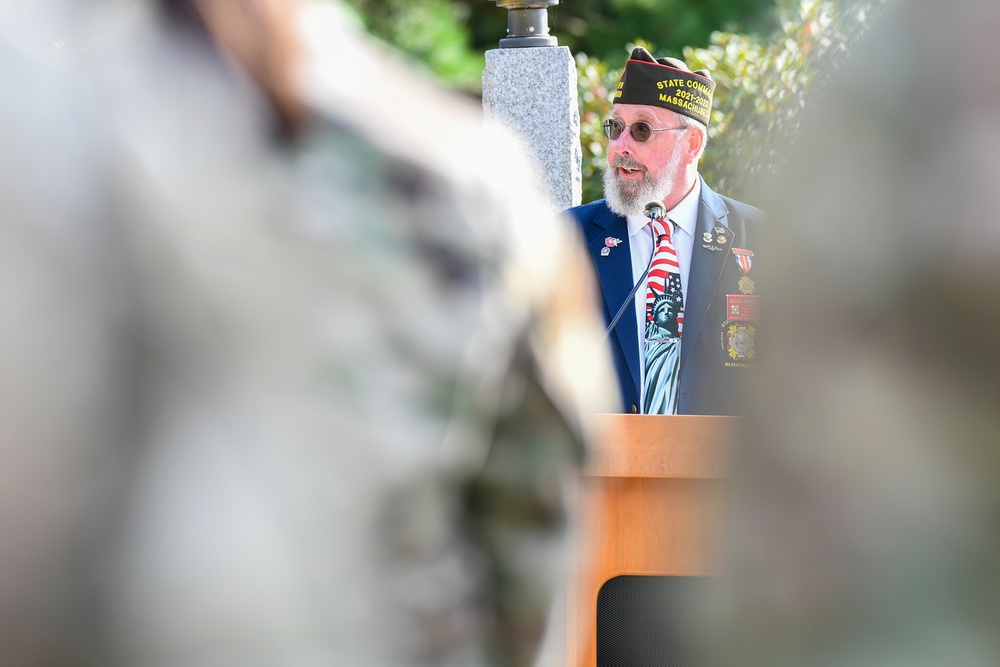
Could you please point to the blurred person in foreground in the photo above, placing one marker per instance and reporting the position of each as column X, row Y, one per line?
column 866, row 509
column 287, row 375
column 679, row 298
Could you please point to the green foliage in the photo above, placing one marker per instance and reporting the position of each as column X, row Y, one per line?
column 595, row 84
column 450, row 37
column 762, row 87
column 434, row 32
column 601, row 28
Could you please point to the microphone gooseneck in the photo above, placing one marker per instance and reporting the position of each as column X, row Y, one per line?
column 654, row 211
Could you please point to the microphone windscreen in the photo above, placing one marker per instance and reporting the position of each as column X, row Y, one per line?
column 653, row 211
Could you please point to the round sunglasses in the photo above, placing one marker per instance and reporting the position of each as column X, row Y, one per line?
column 641, row 131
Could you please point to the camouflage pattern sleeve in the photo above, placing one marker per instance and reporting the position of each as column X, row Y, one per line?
column 317, row 402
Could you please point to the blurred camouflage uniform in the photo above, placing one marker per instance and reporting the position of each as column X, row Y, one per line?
column 867, row 504
column 309, row 404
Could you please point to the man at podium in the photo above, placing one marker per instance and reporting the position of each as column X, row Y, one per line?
column 663, row 238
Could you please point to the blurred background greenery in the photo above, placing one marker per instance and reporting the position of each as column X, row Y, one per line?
column 765, row 56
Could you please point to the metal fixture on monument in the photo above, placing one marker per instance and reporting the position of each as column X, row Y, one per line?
column 527, row 23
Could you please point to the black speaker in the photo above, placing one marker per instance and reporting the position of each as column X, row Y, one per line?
column 645, row 621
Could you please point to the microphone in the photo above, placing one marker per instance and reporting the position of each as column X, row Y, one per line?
column 653, row 211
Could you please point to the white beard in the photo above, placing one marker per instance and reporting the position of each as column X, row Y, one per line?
column 626, row 198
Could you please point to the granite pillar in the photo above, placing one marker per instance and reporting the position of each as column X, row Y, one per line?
column 533, row 92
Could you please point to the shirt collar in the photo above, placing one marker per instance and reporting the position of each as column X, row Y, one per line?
column 684, row 215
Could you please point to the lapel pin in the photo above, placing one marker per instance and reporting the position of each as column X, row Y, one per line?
column 609, row 243
column 709, row 242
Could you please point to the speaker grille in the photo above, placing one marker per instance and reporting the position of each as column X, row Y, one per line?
column 641, row 621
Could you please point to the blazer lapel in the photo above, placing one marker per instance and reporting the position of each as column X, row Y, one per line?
column 614, row 270
column 706, row 268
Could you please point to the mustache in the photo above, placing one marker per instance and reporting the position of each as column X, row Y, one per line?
column 625, row 162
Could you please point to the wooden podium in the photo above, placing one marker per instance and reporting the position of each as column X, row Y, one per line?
column 650, row 503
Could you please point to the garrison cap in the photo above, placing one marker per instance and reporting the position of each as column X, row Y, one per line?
column 667, row 83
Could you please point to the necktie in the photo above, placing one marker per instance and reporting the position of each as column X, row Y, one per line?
column 663, row 326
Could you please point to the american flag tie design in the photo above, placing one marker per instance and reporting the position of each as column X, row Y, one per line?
column 663, row 326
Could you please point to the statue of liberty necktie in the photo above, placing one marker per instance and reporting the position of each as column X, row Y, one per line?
column 663, row 325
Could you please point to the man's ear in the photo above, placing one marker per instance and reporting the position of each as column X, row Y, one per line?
column 694, row 142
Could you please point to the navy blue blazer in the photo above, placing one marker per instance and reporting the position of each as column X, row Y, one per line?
column 710, row 378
